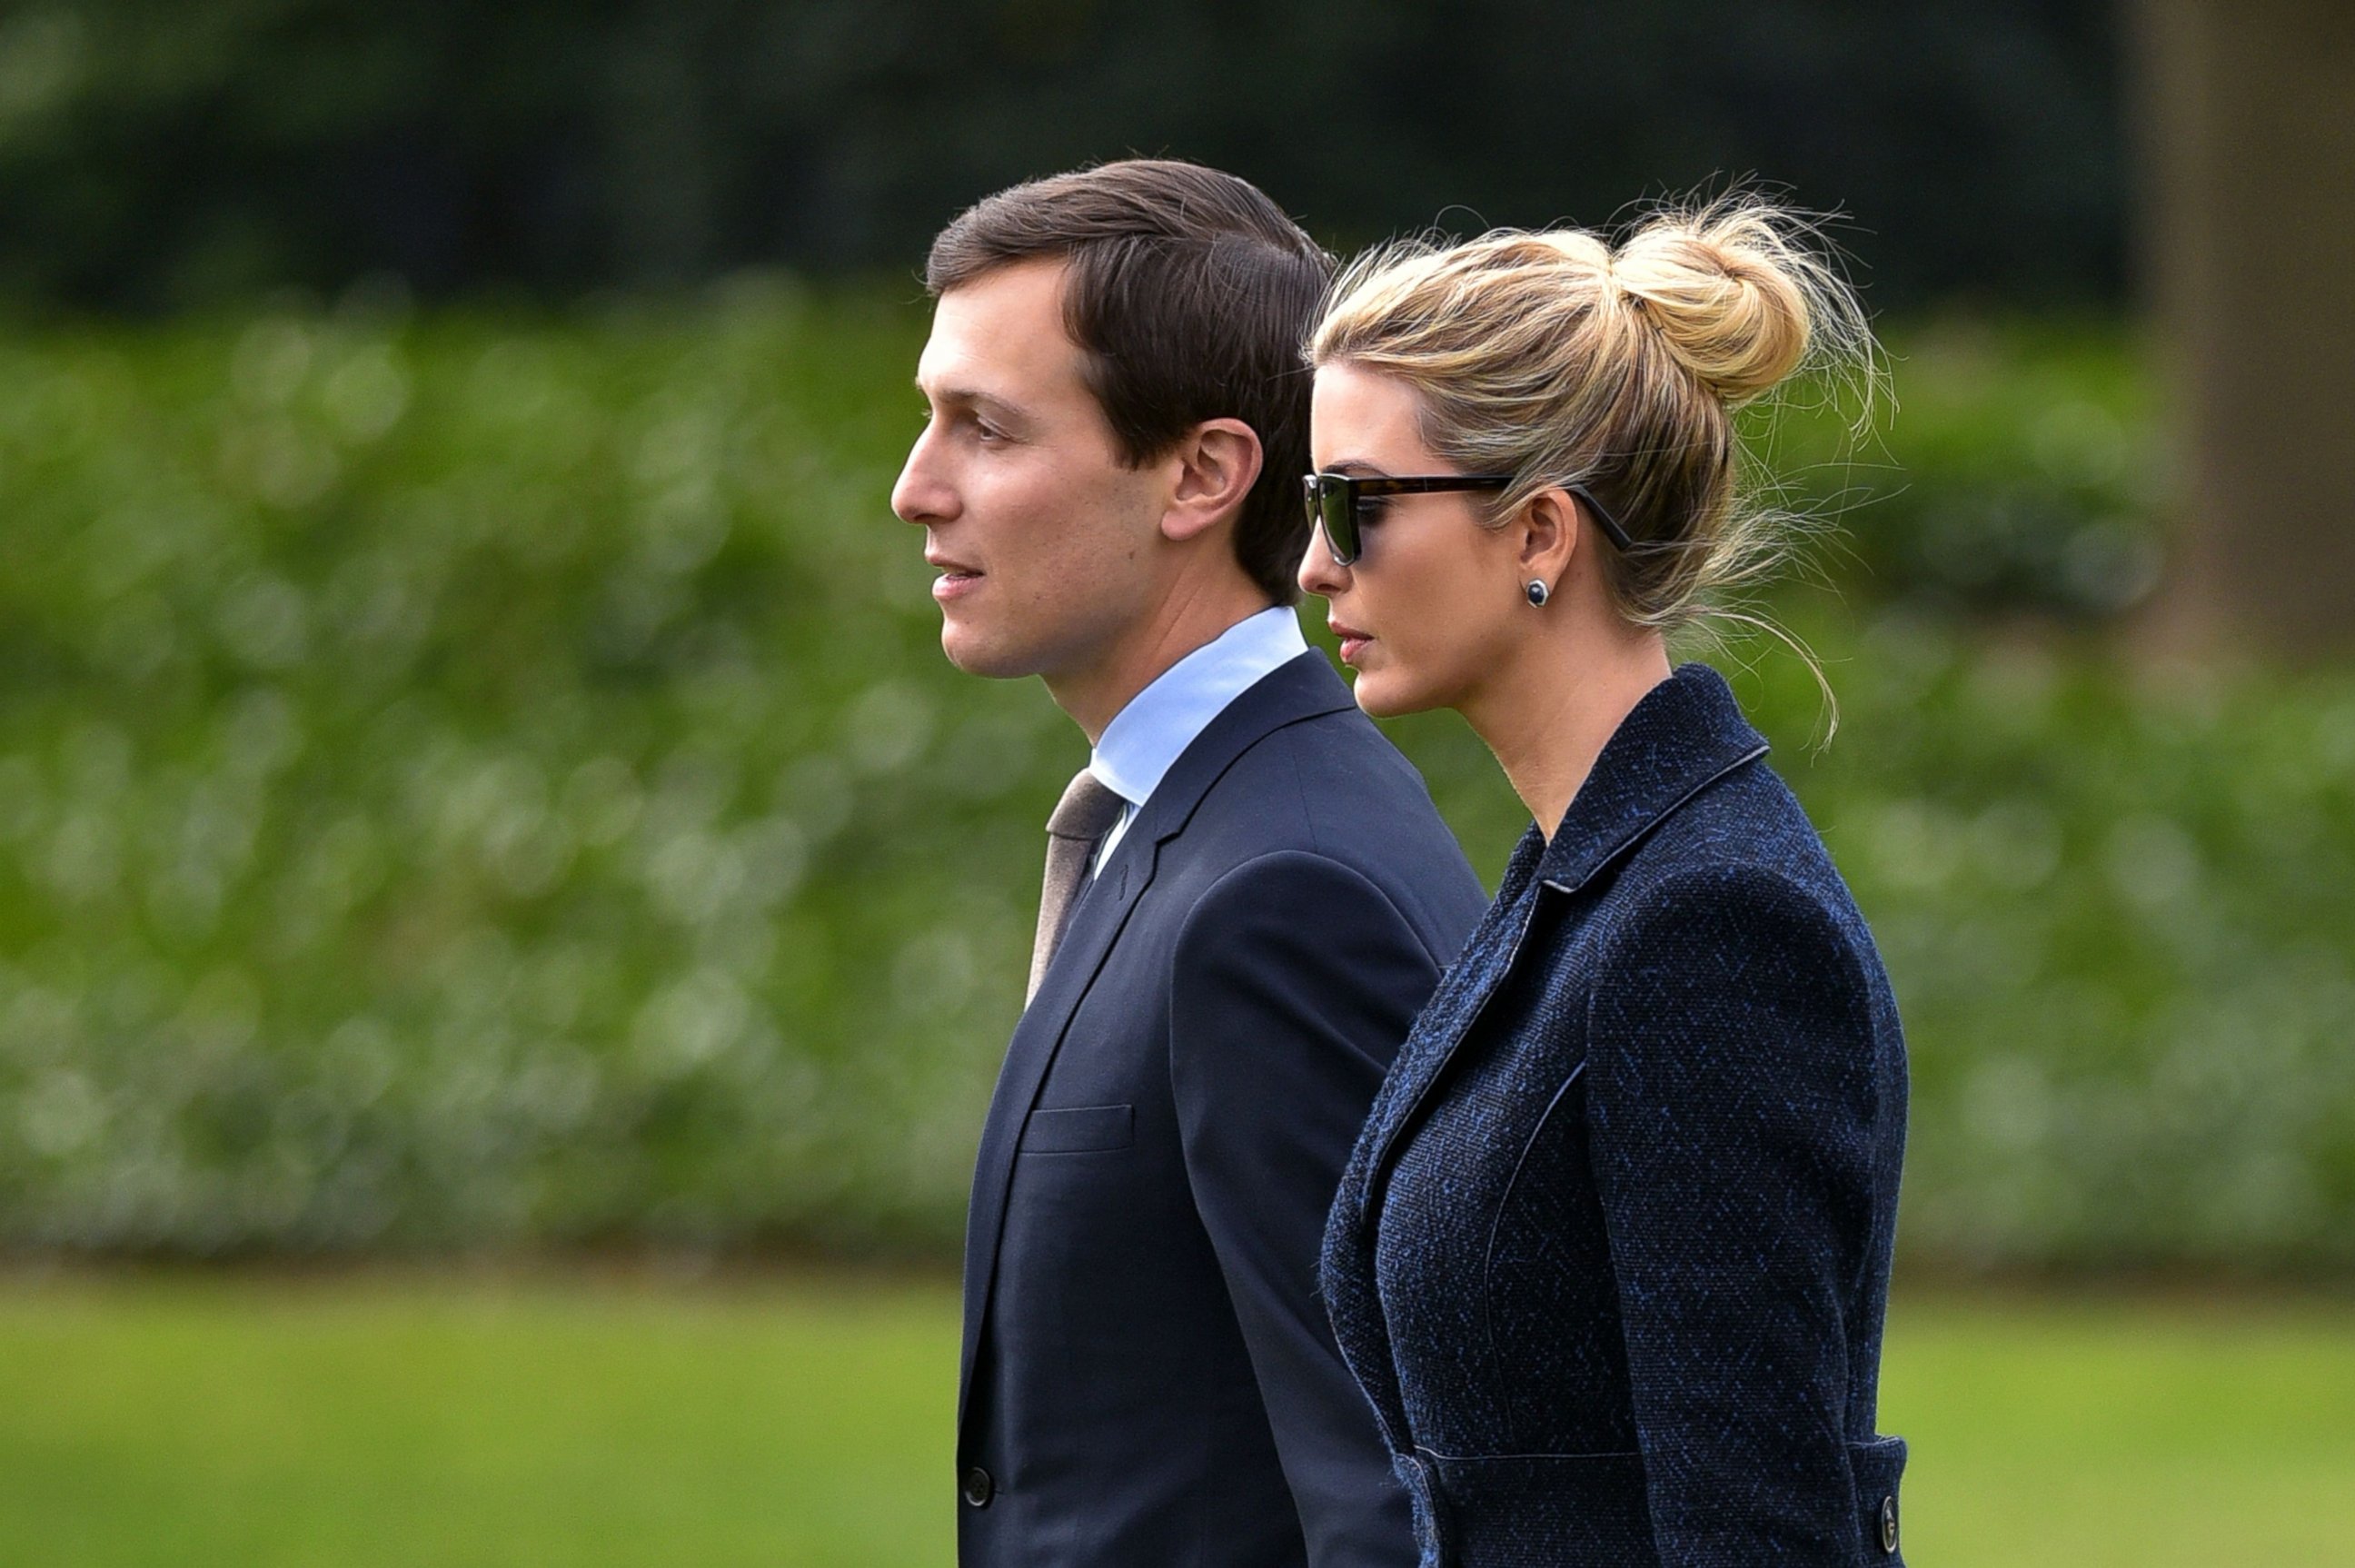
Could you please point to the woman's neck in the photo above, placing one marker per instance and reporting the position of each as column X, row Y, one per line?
column 1548, row 712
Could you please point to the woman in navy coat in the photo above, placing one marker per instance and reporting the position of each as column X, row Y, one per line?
column 1612, row 1255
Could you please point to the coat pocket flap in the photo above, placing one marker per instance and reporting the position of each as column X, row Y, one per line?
column 1079, row 1129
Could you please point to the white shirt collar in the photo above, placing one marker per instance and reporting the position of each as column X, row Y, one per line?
column 1146, row 737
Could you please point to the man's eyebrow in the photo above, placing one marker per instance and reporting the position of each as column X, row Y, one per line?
column 955, row 397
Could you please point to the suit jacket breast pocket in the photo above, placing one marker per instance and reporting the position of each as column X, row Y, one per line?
column 1079, row 1129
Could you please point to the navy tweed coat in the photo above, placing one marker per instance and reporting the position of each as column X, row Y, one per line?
column 1611, row 1256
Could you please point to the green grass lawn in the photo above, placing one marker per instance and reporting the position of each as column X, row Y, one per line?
column 431, row 1420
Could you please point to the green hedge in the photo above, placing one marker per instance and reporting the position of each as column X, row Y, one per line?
column 469, row 781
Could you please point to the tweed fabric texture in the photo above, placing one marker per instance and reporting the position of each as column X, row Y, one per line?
column 1611, row 1256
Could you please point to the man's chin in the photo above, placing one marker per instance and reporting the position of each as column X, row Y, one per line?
column 982, row 657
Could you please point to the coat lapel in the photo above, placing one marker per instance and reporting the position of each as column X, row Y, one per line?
column 1684, row 735
column 1304, row 689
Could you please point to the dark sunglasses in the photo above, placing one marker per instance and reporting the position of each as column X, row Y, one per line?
column 1342, row 505
column 1337, row 503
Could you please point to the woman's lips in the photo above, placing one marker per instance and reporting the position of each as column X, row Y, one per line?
column 1353, row 641
column 954, row 583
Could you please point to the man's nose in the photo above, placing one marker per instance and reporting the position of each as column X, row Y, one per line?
column 918, row 496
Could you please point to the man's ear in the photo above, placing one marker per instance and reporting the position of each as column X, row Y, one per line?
column 1217, row 462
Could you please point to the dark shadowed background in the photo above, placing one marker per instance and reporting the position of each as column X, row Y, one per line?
column 160, row 154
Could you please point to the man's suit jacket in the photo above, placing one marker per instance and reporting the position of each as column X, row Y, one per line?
column 1148, row 1377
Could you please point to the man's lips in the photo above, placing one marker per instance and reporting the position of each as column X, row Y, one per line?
column 955, row 578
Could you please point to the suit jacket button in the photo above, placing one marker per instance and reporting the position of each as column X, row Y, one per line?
column 979, row 1489
column 1889, row 1524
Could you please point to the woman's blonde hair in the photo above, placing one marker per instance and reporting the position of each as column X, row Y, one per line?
column 1562, row 360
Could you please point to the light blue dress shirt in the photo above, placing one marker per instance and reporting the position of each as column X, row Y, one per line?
column 1146, row 737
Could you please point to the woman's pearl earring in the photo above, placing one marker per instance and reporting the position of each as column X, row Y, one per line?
column 1536, row 591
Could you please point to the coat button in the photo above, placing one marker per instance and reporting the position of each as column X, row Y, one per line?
column 1889, row 1524
column 979, row 1489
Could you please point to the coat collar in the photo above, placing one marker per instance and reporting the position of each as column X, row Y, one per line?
column 1148, row 735
column 1684, row 734
column 1304, row 689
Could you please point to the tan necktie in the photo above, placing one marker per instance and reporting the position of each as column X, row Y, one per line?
column 1084, row 815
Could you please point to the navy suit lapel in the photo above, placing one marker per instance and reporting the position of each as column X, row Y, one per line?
column 1095, row 923
column 1303, row 688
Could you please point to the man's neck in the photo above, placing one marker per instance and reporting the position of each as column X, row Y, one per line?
column 1190, row 619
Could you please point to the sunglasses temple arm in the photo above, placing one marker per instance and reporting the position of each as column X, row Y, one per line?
column 1603, row 519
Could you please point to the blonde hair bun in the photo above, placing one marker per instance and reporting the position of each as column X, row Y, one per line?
column 1733, row 295
column 1562, row 360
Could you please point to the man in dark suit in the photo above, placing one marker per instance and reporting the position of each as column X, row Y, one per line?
column 1248, row 895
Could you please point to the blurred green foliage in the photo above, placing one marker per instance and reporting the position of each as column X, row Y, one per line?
column 469, row 780
column 2019, row 467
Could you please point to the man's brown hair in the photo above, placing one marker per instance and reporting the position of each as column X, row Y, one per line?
column 1189, row 293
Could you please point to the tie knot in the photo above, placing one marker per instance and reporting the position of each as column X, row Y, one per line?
column 1087, row 810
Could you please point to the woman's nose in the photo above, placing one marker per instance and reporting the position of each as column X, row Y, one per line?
column 1319, row 573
